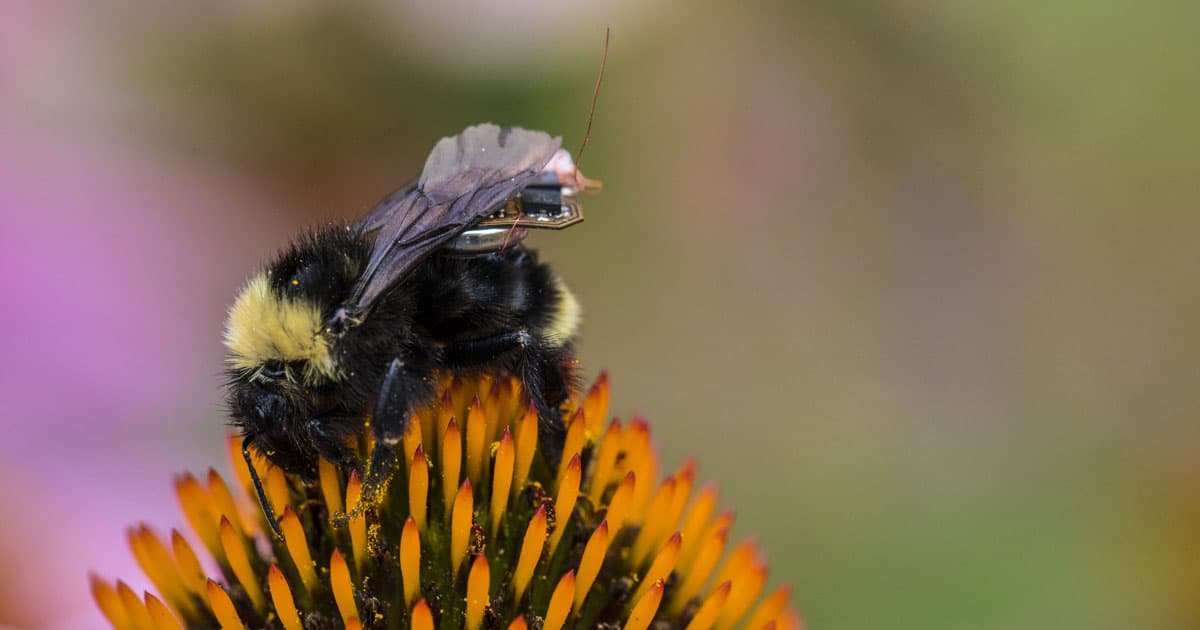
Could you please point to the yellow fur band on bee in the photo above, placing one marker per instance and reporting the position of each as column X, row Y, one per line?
column 263, row 326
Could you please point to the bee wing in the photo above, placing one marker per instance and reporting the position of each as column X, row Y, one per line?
column 465, row 177
column 385, row 208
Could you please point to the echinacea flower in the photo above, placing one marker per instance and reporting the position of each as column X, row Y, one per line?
column 475, row 530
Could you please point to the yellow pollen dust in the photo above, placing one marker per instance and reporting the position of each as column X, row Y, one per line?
column 358, row 524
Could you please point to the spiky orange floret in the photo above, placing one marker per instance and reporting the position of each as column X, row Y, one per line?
column 508, row 540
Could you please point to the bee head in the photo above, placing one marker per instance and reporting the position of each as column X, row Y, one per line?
column 273, row 414
column 275, row 329
column 276, row 356
column 281, row 355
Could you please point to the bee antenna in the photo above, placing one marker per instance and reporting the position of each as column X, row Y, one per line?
column 263, row 502
column 591, row 111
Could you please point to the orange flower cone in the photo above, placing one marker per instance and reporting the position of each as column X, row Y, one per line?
column 476, row 530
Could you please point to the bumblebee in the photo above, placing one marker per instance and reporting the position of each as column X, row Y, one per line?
column 360, row 318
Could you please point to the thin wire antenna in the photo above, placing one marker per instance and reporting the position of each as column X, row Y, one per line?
column 592, row 111
column 587, row 133
column 512, row 230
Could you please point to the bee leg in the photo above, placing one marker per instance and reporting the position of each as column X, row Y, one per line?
column 263, row 502
column 388, row 423
column 547, row 378
column 544, row 372
column 330, row 436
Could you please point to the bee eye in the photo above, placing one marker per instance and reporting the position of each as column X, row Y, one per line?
column 273, row 371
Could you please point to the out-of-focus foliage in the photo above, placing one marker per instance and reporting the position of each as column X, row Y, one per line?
column 944, row 253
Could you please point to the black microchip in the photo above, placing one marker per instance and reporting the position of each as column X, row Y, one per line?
column 539, row 201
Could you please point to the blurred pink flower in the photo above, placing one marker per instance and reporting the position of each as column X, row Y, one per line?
column 112, row 309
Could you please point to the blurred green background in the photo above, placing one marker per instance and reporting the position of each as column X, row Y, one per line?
column 915, row 282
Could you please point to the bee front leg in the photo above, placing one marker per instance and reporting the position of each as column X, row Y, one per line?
column 388, row 423
column 329, row 436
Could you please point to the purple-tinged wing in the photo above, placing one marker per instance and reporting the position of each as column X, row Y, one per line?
column 465, row 177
